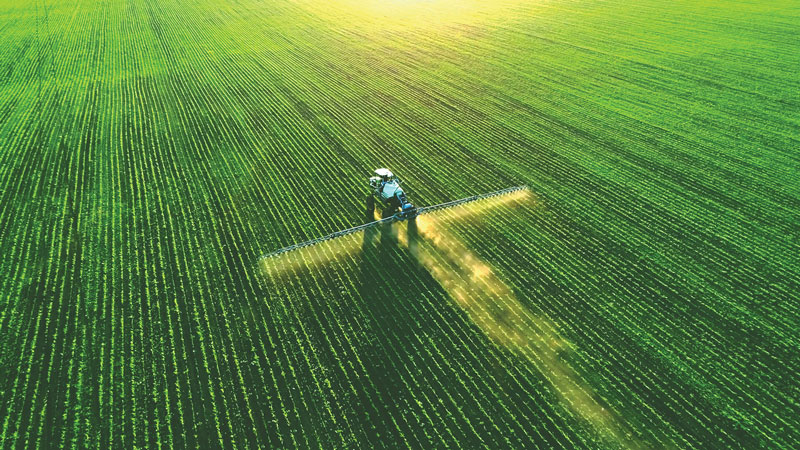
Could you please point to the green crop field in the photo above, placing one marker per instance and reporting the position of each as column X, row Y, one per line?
column 641, row 293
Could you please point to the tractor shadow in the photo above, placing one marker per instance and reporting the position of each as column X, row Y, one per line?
column 391, row 284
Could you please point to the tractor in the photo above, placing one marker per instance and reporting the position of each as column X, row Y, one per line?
column 386, row 188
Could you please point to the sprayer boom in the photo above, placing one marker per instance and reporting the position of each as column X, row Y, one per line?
column 395, row 218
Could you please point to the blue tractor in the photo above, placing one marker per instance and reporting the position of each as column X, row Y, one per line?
column 386, row 188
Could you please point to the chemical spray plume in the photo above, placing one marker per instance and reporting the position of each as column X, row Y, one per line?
column 311, row 257
column 494, row 307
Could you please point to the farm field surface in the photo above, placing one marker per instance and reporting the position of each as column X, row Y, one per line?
column 642, row 292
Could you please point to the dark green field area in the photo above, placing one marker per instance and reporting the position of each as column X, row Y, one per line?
column 643, row 293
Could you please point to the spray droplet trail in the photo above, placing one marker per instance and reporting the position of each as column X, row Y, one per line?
column 494, row 308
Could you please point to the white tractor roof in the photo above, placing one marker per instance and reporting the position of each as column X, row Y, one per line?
column 383, row 172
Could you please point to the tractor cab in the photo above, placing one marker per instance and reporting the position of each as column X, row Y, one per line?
column 381, row 177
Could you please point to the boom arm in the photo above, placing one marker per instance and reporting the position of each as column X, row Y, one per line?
column 423, row 210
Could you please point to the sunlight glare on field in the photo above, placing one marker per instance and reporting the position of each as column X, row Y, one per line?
column 416, row 14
